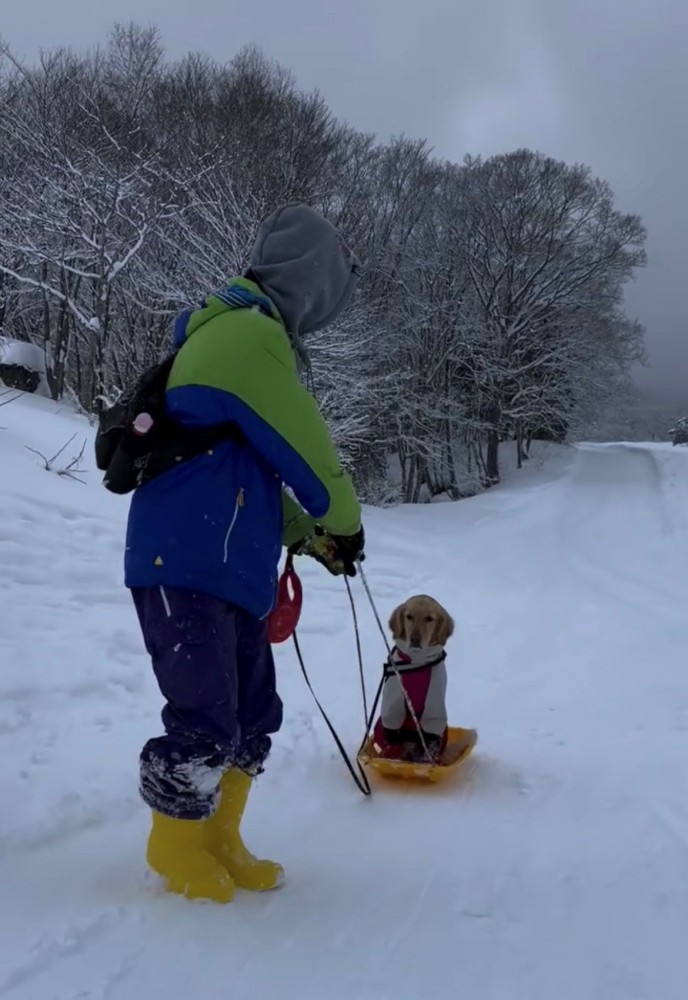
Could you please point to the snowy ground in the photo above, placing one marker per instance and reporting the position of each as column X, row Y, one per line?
column 555, row 869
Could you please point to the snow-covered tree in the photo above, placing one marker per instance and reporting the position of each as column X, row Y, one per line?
column 490, row 305
column 547, row 256
column 679, row 432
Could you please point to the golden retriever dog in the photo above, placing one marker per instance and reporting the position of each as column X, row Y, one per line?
column 415, row 682
column 422, row 622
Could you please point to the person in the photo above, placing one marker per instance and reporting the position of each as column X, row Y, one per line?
column 204, row 541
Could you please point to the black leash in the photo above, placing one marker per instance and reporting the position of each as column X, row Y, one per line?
column 361, row 778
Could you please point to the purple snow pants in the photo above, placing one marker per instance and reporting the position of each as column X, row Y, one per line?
column 214, row 667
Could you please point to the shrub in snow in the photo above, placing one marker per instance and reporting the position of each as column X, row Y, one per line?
column 72, row 470
column 679, row 432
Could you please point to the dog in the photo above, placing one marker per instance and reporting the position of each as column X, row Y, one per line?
column 415, row 674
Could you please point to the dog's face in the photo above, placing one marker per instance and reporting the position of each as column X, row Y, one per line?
column 422, row 622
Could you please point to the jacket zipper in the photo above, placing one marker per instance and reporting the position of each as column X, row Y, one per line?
column 237, row 507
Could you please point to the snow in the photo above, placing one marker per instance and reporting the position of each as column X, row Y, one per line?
column 555, row 867
column 16, row 352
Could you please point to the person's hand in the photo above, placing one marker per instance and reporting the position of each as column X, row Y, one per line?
column 350, row 550
column 321, row 547
column 337, row 553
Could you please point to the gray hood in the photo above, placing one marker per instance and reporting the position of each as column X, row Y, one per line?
column 302, row 263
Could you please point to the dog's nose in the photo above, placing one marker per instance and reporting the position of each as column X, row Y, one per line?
column 415, row 640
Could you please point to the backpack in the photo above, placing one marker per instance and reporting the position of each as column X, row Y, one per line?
column 137, row 440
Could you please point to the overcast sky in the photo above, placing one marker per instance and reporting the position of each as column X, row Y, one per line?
column 604, row 82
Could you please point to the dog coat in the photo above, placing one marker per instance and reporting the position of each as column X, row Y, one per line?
column 420, row 677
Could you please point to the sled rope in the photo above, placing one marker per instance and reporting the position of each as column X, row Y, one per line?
column 359, row 653
column 369, row 595
column 361, row 779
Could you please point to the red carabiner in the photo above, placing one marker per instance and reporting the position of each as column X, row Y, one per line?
column 284, row 617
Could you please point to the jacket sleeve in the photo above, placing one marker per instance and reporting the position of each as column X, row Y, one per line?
column 297, row 523
column 243, row 369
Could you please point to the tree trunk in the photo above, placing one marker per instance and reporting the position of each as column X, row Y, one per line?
column 492, row 460
column 49, row 354
column 420, row 478
column 3, row 300
column 520, row 450
column 452, row 478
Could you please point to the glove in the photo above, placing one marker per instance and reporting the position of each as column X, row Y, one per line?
column 350, row 550
column 331, row 551
column 321, row 547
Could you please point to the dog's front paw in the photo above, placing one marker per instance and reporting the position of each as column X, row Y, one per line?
column 431, row 752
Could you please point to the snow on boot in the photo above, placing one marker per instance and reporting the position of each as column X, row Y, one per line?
column 224, row 840
column 178, row 853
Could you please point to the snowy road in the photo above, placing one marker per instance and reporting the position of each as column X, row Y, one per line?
column 556, row 869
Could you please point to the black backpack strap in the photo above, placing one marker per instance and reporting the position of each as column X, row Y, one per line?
column 130, row 460
column 177, row 444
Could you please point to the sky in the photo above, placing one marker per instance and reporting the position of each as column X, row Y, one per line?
column 602, row 82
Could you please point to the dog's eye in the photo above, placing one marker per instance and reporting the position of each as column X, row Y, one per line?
column 429, row 618
column 409, row 617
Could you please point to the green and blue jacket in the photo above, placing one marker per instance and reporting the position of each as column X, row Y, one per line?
column 216, row 524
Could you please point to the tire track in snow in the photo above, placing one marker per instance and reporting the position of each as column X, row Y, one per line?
column 49, row 951
column 597, row 480
column 70, row 816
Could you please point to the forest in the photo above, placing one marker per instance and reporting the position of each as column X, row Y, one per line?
column 490, row 306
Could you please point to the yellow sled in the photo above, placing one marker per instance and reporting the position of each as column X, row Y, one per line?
column 459, row 746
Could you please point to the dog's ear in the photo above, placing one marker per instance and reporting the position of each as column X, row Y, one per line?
column 397, row 624
column 444, row 629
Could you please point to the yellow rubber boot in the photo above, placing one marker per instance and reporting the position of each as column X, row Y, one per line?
column 224, row 840
column 178, row 853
